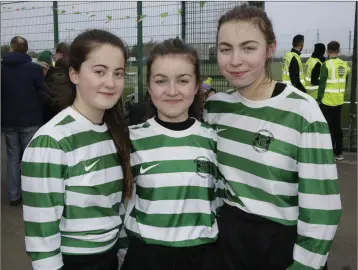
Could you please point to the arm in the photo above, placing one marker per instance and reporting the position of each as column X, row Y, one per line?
column 318, row 197
column 322, row 82
column 295, row 75
column 43, row 201
column 315, row 74
column 40, row 84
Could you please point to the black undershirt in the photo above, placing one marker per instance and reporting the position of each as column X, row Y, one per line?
column 279, row 87
column 176, row 126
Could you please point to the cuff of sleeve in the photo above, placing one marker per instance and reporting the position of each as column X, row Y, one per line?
column 51, row 263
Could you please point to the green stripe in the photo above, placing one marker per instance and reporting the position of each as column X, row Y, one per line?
column 105, row 162
column 43, row 200
column 174, row 220
column 257, row 169
column 35, row 256
column 177, row 166
column 314, row 245
column 104, row 189
column 160, row 141
column 45, row 141
column 76, row 212
column 79, row 243
column 323, row 217
column 269, row 114
column 44, row 229
column 320, row 187
column 93, row 232
column 68, row 119
column 294, row 95
column 175, row 193
column 317, row 127
column 82, row 139
column 254, row 193
column 316, row 156
column 42, row 170
column 184, row 243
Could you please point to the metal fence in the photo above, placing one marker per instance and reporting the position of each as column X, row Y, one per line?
column 141, row 25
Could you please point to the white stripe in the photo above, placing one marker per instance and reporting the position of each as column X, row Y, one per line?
column 312, row 88
column 333, row 70
column 317, row 171
column 141, row 133
column 88, row 200
column 132, row 225
column 337, row 81
column 269, row 186
column 316, row 141
column 173, row 206
column 330, row 90
column 85, row 224
column 268, row 158
column 270, row 210
column 44, row 155
column 178, row 233
column 167, row 153
column 86, row 250
column 96, row 178
column 308, row 258
column 43, row 244
column 42, row 185
column 97, row 238
column 320, row 202
column 316, row 231
column 173, row 180
column 42, row 214
column 51, row 263
column 253, row 125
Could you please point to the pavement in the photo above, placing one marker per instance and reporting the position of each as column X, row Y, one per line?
column 343, row 254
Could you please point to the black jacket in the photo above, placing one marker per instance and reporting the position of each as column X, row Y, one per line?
column 294, row 71
column 319, row 50
column 22, row 82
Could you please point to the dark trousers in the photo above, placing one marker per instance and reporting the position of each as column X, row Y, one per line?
column 333, row 118
column 143, row 256
column 102, row 261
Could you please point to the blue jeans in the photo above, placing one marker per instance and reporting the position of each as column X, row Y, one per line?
column 16, row 139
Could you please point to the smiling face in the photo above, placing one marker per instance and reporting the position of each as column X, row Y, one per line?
column 172, row 86
column 100, row 80
column 242, row 53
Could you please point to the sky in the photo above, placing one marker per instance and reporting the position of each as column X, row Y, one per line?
column 34, row 21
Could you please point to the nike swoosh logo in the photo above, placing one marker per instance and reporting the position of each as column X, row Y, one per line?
column 219, row 130
column 88, row 168
column 142, row 171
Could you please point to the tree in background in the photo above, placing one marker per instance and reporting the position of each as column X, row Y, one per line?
column 212, row 53
column 4, row 49
column 147, row 47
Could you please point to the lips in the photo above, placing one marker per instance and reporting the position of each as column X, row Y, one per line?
column 107, row 94
column 173, row 101
column 238, row 74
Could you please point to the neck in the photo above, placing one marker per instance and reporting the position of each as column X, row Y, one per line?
column 297, row 49
column 333, row 55
column 261, row 89
column 94, row 115
column 179, row 119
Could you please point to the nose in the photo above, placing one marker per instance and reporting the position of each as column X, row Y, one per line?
column 236, row 59
column 172, row 90
column 110, row 83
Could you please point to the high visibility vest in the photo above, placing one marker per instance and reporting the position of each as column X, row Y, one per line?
column 338, row 71
column 286, row 65
column 312, row 90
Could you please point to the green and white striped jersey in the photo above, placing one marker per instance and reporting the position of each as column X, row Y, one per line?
column 176, row 194
column 72, row 190
column 276, row 156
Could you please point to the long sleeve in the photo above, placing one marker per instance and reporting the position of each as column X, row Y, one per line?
column 322, row 82
column 43, row 167
column 315, row 74
column 318, row 197
column 294, row 71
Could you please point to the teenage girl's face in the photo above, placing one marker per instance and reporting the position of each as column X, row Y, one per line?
column 100, row 80
column 172, row 87
column 242, row 53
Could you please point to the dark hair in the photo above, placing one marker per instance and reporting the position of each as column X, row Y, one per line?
column 333, row 46
column 65, row 91
column 297, row 40
column 174, row 47
column 19, row 44
column 63, row 48
column 258, row 17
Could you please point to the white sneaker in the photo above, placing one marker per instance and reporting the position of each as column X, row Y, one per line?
column 339, row 157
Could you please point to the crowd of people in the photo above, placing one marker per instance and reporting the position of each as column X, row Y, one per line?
column 239, row 180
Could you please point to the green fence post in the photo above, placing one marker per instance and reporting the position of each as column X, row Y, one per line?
column 140, row 51
column 55, row 24
column 183, row 21
column 352, row 111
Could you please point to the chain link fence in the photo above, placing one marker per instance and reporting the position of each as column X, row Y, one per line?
column 141, row 25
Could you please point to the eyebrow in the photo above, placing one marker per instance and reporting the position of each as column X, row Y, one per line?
column 181, row 75
column 242, row 44
column 104, row 66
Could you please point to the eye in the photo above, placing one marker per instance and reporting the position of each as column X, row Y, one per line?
column 160, row 81
column 119, row 74
column 99, row 72
column 183, row 81
column 249, row 49
column 224, row 50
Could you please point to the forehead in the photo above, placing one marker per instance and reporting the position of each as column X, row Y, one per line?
column 170, row 64
column 236, row 32
column 106, row 55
